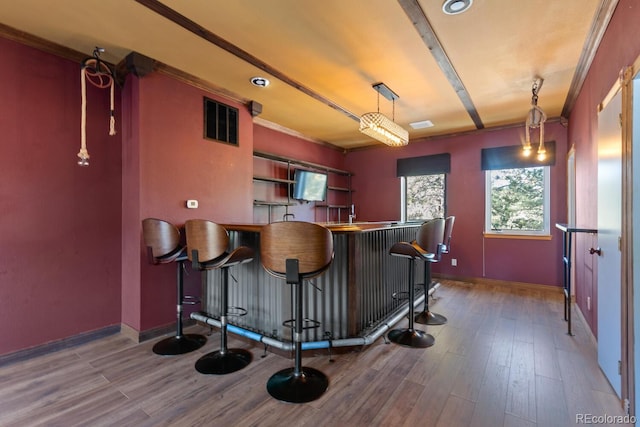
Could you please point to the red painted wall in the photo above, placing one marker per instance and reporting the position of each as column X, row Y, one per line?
column 286, row 145
column 71, row 253
column 72, row 250
column 168, row 161
column 60, row 223
column 504, row 259
column 619, row 48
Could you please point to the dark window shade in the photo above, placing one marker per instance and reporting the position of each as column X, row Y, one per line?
column 424, row 165
column 511, row 157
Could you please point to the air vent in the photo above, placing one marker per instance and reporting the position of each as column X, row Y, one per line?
column 220, row 122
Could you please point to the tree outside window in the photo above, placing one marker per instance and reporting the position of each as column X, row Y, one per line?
column 425, row 197
column 518, row 200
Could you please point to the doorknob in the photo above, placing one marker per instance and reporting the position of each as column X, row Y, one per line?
column 595, row 251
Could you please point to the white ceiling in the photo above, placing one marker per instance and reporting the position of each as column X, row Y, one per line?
column 322, row 57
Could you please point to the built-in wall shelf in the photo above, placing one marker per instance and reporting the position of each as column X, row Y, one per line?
column 279, row 170
column 268, row 203
column 291, row 161
column 332, row 206
column 271, row 179
column 339, row 189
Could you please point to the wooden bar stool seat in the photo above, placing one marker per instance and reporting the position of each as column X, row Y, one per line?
column 207, row 249
column 430, row 238
column 164, row 246
column 411, row 337
column 296, row 251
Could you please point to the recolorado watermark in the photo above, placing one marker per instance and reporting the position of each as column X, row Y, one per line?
column 605, row 419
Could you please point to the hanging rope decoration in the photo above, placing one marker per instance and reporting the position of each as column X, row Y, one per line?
column 100, row 75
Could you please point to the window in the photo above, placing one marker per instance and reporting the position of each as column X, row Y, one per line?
column 517, row 201
column 220, row 122
column 517, row 190
column 424, row 197
column 423, row 186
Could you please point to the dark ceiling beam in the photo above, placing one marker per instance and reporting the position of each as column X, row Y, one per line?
column 594, row 37
column 425, row 30
column 207, row 35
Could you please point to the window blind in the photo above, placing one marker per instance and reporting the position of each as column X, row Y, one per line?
column 424, row 165
column 511, row 157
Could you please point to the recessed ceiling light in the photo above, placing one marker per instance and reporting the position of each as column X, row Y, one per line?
column 260, row 81
column 453, row 7
column 421, row 125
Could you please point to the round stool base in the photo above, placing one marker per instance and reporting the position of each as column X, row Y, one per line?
column 411, row 338
column 430, row 318
column 309, row 385
column 218, row 363
column 173, row 346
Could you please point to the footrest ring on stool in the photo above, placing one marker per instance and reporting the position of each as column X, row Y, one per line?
column 291, row 323
column 236, row 311
column 190, row 300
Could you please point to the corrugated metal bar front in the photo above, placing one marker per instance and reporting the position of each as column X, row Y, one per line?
column 357, row 287
column 382, row 275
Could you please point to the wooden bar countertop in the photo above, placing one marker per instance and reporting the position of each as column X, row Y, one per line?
column 333, row 226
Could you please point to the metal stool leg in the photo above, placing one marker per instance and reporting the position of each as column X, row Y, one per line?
column 410, row 337
column 298, row 384
column 180, row 343
column 225, row 360
column 428, row 317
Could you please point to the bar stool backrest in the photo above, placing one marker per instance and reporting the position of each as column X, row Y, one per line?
column 311, row 244
column 211, row 240
column 448, row 230
column 431, row 235
column 162, row 237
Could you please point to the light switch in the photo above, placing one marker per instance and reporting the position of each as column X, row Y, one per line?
column 192, row 204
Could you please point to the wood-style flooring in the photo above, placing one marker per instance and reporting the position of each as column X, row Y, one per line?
column 503, row 359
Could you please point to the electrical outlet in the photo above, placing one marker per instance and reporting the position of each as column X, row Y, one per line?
column 454, row 262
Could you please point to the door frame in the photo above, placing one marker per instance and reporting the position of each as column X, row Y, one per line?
column 625, row 84
column 627, row 77
column 622, row 321
column 571, row 206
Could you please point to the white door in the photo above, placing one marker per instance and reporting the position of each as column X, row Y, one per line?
column 609, row 233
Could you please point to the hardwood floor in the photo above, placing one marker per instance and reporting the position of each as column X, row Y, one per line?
column 503, row 359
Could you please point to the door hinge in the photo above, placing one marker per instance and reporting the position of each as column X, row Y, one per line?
column 619, row 367
column 626, row 406
column 619, row 243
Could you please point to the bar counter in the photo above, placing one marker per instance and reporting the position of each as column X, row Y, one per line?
column 353, row 300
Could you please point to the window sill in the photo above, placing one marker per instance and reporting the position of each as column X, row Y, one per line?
column 507, row 235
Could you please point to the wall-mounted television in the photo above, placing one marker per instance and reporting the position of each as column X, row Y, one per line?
column 309, row 186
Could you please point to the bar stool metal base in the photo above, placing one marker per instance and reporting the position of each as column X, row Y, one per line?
column 182, row 344
column 430, row 318
column 411, row 338
column 217, row 363
column 308, row 385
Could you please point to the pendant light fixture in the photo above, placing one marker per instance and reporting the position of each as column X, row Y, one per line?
column 535, row 120
column 380, row 127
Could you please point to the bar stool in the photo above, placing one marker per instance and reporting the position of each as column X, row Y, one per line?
column 296, row 251
column 410, row 337
column 430, row 238
column 446, row 245
column 448, row 231
column 162, row 240
column 207, row 244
